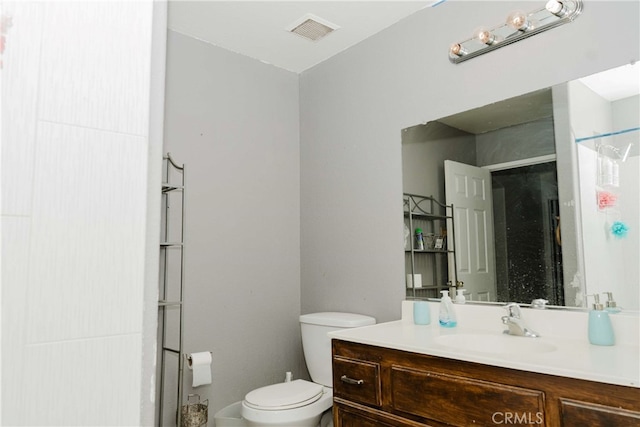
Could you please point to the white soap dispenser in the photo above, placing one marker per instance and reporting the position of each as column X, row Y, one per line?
column 460, row 299
column 447, row 315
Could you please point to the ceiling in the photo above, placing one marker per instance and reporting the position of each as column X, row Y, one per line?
column 617, row 83
column 259, row 29
column 509, row 112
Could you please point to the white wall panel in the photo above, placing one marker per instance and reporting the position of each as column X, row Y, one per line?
column 87, row 237
column 96, row 65
column 15, row 273
column 92, row 382
column 75, row 112
column 19, row 75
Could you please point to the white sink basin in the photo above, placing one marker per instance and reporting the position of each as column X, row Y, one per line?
column 495, row 344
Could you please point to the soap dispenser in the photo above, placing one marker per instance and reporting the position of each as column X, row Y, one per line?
column 447, row 316
column 460, row 298
column 610, row 304
column 600, row 329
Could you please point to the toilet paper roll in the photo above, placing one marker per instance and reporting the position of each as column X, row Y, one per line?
column 200, row 364
column 411, row 283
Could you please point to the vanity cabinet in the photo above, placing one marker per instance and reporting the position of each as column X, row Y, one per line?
column 375, row 386
column 433, row 262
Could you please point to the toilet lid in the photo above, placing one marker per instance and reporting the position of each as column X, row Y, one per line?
column 289, row 395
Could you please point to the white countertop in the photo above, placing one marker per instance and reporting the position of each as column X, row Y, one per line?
column 572, row 357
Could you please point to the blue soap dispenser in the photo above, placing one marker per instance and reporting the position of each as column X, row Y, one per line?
column 447, row 315
column 600, row 329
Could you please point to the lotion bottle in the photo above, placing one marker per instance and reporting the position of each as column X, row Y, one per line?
column 447, row 316
column 600, row 329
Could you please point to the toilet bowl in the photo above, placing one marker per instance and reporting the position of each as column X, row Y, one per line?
column 231, row 416
column 297, row 403
column 302, row 403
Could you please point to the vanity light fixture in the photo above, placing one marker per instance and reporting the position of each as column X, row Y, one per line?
column 519, row 25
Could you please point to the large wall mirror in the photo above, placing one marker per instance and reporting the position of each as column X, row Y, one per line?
column 545, row 189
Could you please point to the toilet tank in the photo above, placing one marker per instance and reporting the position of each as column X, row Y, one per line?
column 317, row 345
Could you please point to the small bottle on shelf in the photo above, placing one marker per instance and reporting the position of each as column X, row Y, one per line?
column 419, row 240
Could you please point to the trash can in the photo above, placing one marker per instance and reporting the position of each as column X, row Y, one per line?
column 195, row 414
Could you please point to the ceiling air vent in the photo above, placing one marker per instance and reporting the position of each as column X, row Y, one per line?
column 311, row 27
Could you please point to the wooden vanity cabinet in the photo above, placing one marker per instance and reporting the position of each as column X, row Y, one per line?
column 375, row 386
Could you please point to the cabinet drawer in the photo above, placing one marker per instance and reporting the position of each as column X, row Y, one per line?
column 354, row 415
column 462, row 401
column 357, row 380
column 576, row 413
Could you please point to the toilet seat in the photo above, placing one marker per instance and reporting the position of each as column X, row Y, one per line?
column 282, row 396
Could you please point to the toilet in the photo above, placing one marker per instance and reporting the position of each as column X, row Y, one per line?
column 302, row 403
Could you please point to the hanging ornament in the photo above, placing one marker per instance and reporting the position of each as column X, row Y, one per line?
column 619, row 229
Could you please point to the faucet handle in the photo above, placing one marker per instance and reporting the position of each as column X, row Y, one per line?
column 514, row 309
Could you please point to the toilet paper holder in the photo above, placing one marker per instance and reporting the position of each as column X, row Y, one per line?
column 190, row 360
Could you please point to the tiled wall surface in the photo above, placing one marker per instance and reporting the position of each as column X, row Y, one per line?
column 75, row 108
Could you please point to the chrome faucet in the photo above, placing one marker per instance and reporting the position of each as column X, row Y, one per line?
column 539, row 303
column 515, row 323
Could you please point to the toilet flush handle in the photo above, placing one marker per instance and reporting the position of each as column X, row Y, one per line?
column 346, row 379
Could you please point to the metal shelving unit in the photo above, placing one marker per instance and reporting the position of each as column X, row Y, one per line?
column 171, row 292
column 437, row 265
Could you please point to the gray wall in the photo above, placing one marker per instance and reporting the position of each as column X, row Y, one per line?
column 424, row 150
column 513, row 143
column 354, row 106
column 233, row 121
column 625, row 115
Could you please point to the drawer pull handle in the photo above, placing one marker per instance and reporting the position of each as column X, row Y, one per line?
column 346, row 379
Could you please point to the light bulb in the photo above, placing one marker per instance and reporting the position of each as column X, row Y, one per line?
column 457, row 49
column 485, row 36
column 518, row 20
column 556, row 7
